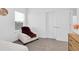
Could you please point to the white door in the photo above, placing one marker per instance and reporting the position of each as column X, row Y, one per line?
column 58, row 24
column 51, row 25
column 63, row 24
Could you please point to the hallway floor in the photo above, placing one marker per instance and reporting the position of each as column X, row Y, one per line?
column 45, row 44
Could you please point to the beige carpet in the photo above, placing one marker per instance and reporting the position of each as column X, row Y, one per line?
column 46, row 45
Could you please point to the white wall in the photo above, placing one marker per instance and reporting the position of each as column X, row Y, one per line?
column 7, row 24
column 7, row 27
column 78, row 14
column 37, row 23
column 23, row 10
column 37, row 19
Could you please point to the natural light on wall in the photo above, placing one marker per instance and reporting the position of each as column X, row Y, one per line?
column 75, row 20
column 19, row 17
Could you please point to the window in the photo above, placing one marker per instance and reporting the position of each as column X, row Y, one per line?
column 19, row 19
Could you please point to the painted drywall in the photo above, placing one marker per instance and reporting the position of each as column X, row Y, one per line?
column 7, row 25
column 7, row 28
column 78, row 14
column 23, row 10
column 37, row 19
